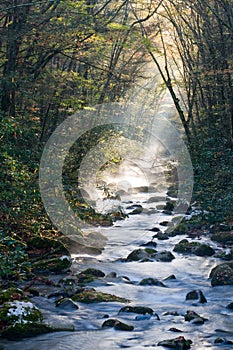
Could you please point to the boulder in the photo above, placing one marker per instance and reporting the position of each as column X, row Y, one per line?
column 223, row 237
column 222, row 275
column 56, row 265
column 194, row 317
column 179, row 343
column 196, row 295
column 117, row 325
column 66, row 304
column 199, row 249
column 143, row 310
column 151, row 282
column 150, row 254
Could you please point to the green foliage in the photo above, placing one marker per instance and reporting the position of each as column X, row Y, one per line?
column 14, row 262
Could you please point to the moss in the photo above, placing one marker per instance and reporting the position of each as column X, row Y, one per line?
column 199, row 249
column 11, row 294
column 56, row 265
column 19, row 312
column 92, row 296
column 38, row 246
column 223, row 237
column 20, row 331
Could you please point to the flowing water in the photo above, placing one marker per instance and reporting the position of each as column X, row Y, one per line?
column 191, row 273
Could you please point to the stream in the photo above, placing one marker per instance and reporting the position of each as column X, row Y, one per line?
column 191, row 273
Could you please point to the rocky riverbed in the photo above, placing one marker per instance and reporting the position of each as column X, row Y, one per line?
column 149, row 288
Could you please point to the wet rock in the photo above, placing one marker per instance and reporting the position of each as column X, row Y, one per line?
column 155, row 199
column 223, row 237
column 226, row 255
column 171, row 313
column 143, row 310
column 196, row 295
column 56, row 265
column 169, row 278
column 230, row 306
column 137, row 210
column 67, row 304
column 92, row 296
column 161, row 236
column 117, row 325
column 222, row 275
column 164, row 223
column 151, row 282
column 155, row 229
column 89, row 275
column 140, row 254
column 149, row 244
column 169, row 206
column 223, row 341
column 175, row 330
column 199, row 249
column 167, row 212
column 20, row 331
column 194, row 317
column 179, row 343
column 150, row 254
column 164, row 256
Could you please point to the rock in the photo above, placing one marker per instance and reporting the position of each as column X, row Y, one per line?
column 169, row 278
column 192, row 316
column 143, row 310
column 199, row 249
column 151, row 282
column 223, row 237
column 222, row 275
column 171, row 313
column 149, row 253
column 92, row 296
column 167, row 212
column 41, row 247
column 230, row 306
column 155, row 229
column 155, row 199
column 66, row 304
column 196, row 295
column 223, row 341
column 169, row 206
column 164, row 223
column 149, row 244
column 20, row 331
column 161, row 236
column 179, row 343
column 175, row 330
column 56, row 265
column 137, row 209
column 164, row 256
column 89, row 275
column 140, row 254
column 117, row 325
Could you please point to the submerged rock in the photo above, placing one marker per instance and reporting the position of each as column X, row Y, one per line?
column 179, row 343
column 230, row 306
column 117, row 325
column 196, row 295
column 222, row 275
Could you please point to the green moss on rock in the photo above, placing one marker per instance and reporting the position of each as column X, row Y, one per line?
column 92, row 296
column 11, row 294
column 56, row 265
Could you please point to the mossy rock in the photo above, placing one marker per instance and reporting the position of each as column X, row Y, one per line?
column 117, row 325
column 19, row 312
column 142, row 310
column 223, row 237
column 42, row 246
column 12, row 294
column 20, row 331
column 93, row 272
column 92, row 296
column 56, row 265
column 222, row 275
column 199, row 249
column 140, row 254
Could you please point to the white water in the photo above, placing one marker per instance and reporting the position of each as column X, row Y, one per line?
column 191, row 273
